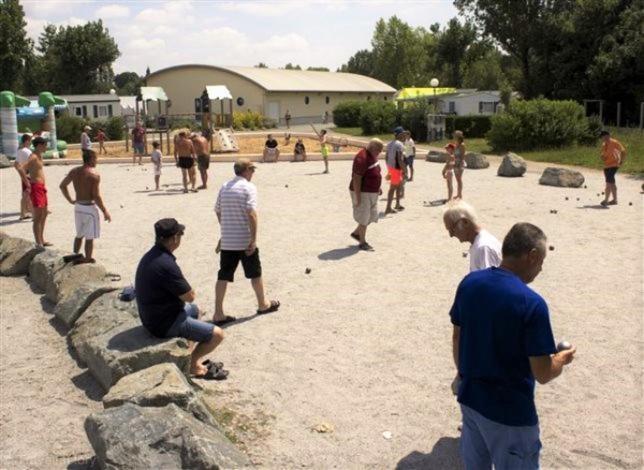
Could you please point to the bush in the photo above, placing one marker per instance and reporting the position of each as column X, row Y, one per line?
column 251, row 120
column 378, row 117
column 182, row 123
column 413, row 117
column 595, row 126
column 347, row 113
column 69, row 128
column 538, row 123
column 474, row 126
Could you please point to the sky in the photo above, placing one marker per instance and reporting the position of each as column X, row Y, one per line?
column 161, row 34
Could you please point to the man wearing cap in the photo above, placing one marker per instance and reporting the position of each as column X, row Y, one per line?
column 236, row 210
column 85, row 141
column 165, row 301
column 365, row 189
column 397, row 169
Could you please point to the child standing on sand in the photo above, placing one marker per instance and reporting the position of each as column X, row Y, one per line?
column 101, row 137
column 156, row 161
column 448, row 169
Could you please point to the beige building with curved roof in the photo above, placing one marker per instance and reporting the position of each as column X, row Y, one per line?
column 307, row 95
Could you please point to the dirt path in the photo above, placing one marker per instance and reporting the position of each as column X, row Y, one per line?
column 44, row 395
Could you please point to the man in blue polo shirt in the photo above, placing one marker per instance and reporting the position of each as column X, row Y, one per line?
column 165, row 298
column 502, row 342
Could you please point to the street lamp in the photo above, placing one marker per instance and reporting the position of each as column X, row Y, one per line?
column 434, row 84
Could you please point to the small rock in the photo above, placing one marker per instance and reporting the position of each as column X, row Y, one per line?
column 387, row 435
column 307, row 271
column 122, row 206
column 323, row 428
column 465, row 254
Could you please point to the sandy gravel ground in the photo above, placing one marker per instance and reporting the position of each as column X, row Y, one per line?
column 361, row 345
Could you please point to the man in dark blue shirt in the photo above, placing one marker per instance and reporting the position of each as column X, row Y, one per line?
column 164, row 299
column 501, row 342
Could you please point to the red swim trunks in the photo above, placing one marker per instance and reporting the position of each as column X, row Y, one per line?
column 38, row 195
column 396, row 176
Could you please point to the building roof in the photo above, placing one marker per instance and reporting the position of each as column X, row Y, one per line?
column 299, row 80
column 468, row 92
column 90, row 98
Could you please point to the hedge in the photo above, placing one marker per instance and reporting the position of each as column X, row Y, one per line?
column 473, row 126
column 540, row 123
column 347, row 114
column 378, row 117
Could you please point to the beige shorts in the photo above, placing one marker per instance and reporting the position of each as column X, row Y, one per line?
column 367, row 212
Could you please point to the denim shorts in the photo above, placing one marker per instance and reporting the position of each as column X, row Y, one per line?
column 187, row 326
column 138, row 147
column 485, row 443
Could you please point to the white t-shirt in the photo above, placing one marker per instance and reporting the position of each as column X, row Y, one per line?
column 485, row 252
column 155, row 156
column 23, row 155
column 393, row 148
column 409, row 147
column 236, row 198
column 86, row 143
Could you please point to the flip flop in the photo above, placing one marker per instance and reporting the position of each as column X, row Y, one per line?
column 227, row 319
column 47, row 244
column 213, row 374
column 73, row 257
column 275, row 305
column 209, row 364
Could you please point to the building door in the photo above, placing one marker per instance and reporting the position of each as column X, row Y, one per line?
column 274, row 110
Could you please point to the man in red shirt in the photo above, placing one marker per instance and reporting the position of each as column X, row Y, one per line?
column 365, row 189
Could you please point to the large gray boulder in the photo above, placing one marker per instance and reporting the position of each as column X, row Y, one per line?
column 68, row 278
column 562, row 177
column 476, row 161
column 110, row 339
column 158, row 386
column 4, row 161
column 512, row 165
column 72, row 306
column 436, row 156
column 43, row 267
column 130, row 437
column 16, row 254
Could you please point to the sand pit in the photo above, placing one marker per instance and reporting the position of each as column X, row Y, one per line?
column 354, row 370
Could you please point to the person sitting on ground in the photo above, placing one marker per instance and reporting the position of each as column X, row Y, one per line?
column 299, row 151
column 155, row 158
column 448, row 170
column 165, row 301
column 271, row 152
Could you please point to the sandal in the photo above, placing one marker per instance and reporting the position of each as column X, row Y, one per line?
column 209, row 364
column 275, row 305
column 213, row 374
column 227, row 319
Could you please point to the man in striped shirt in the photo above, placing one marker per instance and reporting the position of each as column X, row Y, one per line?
column 236, row 210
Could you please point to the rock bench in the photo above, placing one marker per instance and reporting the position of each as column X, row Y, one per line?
column 16, row 254
column 512, row 166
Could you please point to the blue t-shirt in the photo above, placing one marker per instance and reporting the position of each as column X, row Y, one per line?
column 502, row 323
column 159, row 283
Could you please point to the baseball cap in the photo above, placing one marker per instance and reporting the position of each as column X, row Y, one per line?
column 399, row 130
column 87, row 128
column 165, row 228
column 38, row 141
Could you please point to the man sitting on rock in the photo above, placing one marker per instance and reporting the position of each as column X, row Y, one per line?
column 164, row 299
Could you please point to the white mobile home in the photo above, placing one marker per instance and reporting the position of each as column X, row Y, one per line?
column 468, row 102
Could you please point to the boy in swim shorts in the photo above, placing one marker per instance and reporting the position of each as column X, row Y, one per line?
column 33, row 169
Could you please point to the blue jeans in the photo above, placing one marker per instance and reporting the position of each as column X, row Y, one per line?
column 187, row 326
column 485, row 443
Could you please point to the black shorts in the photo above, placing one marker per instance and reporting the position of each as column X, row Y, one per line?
column 203, row 162
column 186, row 162
column 609, row 174
column 228, row 261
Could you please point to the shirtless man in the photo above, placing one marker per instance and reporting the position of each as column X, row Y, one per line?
column 32, row 170
column 88, row 196
column 203, row 157
column 184, row 155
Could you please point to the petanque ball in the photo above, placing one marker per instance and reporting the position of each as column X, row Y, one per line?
column 585, row 187
column 465, row 254
column 286, row 185
column 630, row 203
column 307, row 271
column 563, row 345
column 122, row 206
column 566, row 198
column 578, row 199
column 552, row 248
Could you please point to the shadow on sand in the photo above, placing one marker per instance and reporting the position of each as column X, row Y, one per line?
column 339, row 253
column 443, row 455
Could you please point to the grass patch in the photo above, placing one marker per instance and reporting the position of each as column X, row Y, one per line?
column 579, row 155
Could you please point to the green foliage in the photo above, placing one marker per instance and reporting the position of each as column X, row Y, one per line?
column 128, row 83
column 69, row 128
column 538, row 124
column 115, row 128
column 591, row 136
column 347, row 113
column 290, row 66
column 451, row 49
column 251, row 120
column 14, row 45
column 473, row 126
column 485, row 73
column 317, row 69
column 362, row 63
column 413, row 117
column 183, row 123
column 261, row 65
column 378, row 117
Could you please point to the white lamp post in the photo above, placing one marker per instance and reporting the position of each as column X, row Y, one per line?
column 434, row 84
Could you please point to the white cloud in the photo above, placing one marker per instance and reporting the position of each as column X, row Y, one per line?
column 149, row 45
column 279, row 8
column 112, row 11
column 36, row 26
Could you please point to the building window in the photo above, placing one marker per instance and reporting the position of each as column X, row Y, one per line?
column 78, row 111
column 369, row 98
column 385, row 98
column 240, row 101
column 306, row 100
column 102, row 111
column 486, row 107
column 452, row 107
column 327, row 100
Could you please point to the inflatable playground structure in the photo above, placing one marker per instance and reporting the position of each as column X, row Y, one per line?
column 20, row 115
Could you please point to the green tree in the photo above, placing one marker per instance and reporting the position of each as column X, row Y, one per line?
column 452, row 47
column 361, row 63
column 317, row 69
column 484, row 73
column 290, row 66
column 261, row 65
column 128, row 83
column 78, row 59
column 15, row 47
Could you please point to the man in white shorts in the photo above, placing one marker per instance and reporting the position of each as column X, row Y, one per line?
column 23, row 155
column 88, row 200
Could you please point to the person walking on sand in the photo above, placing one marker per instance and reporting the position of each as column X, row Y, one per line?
column 501, row 342
column 202, row 149
column 100, row 138
column 33, row 171
column 396, row 169
column 165, row 301
column 365, row 189
column 23, row 155
column 184, row 155
column 236, row 210
column 613, row 154
column 138, row 143
column 156, row 159
column 324, row 150
column 459, row 162
column 88, row 200
column 85, row 141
